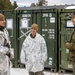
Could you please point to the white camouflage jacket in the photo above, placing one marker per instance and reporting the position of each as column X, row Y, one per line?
column 34, row 53
column 4, row 59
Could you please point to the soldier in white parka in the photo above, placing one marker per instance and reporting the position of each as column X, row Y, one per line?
column 5, row 47
column 34, row 52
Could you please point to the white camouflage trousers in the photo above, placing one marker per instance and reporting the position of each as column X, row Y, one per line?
column 3, row 73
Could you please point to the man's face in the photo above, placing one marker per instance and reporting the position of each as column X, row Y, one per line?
column 2, row 22
column 73, row 21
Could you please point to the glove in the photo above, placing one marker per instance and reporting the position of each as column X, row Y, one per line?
column 67, row 45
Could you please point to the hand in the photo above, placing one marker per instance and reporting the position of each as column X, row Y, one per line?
column 11, row 56
column 67, row 45
column 8, row 51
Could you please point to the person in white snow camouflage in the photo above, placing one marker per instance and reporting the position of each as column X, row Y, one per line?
column 5, row 47
column 34, row 52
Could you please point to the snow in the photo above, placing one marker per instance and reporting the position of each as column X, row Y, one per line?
column 18, row 71
column 70, row 7
column 22, row 71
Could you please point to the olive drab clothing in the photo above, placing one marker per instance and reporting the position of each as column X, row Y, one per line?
column 71, row 55
column 34, row 53
column 72, row 48
column 4, row 59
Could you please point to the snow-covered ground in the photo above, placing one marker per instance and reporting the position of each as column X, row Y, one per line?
column 22, row 71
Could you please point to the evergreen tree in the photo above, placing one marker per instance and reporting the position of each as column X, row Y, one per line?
column 1, row 4
column 15, row 5
column 6, row 5
column 33, row 4
column 40, row 3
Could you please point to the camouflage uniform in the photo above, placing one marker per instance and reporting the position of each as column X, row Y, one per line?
column 4, row 59
column 34, row 54
column 72, row 51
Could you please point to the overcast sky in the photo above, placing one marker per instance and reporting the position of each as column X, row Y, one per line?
column 50, row 2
